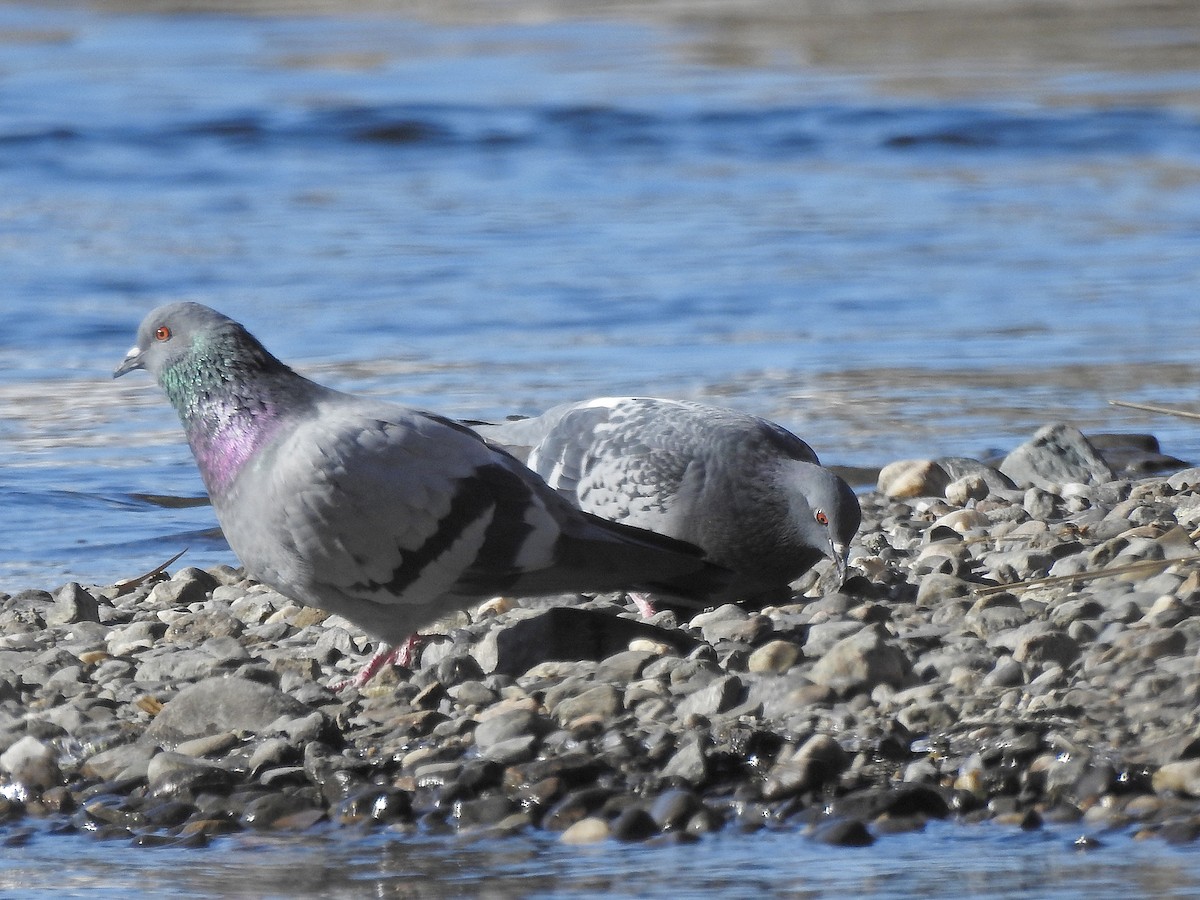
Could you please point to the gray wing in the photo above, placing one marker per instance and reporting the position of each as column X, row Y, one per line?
column 388, row 506
column 642, row 459
column 625, row 459
column 391, row 517
column 519, row 435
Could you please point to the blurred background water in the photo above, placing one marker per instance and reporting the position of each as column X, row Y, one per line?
column 902, row 229
column 897, row 232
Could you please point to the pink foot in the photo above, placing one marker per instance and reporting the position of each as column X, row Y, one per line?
column 643, row 603
column 386, row 655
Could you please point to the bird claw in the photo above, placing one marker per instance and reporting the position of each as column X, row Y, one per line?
column 403, row 656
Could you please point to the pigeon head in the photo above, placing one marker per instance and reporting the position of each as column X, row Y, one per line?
column 825, row 511
column 183, row 336
column 225, row 386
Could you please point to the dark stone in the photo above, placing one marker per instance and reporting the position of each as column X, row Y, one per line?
column 690, row 761
column 1180, row 831
column 710, row 699
column 572, row 769
column 906, row 800
column 267, row 811
column 674, row 809
column 843, row 833
column 168, row 813
column 113, row 811
column 506, row 726
column 376, row 806
column 634, row 824
column 575, row 806
column 173, row 775
column 570, row 634
column 482, row 811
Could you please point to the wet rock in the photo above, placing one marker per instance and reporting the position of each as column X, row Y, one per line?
column 633, row 824
column 122, row 761
column 178, row 776
column 576, row 806
column 843, row 833
column 283, row 810
column 32, row 763
column 674, row 809
column 482, row 811
column 591, row 830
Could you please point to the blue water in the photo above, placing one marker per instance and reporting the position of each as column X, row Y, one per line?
column 490, row 219
column 894, row 259
column 941, row 862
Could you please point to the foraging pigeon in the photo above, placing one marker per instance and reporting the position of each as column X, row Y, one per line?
column 388, row 516
column 748, row 492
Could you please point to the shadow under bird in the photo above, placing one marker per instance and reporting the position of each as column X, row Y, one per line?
column 389, row 516
column 749, row 493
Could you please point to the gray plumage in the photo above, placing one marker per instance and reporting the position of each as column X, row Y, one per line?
column 388, row 516
column 747, row 491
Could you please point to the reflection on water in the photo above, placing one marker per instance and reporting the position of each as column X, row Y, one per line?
column 943, row 861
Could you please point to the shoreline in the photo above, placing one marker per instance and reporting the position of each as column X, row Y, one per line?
column 944, row 682
column 907, row 48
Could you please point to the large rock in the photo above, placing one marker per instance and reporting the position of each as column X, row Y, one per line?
column 862, row 661
column 913, row 478
column 1057, row 454
column 222, row 704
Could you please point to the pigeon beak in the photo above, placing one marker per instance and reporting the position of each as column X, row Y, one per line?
column 132, row 360
column 839, row 553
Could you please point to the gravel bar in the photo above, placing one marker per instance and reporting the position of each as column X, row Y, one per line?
column 1018, row 644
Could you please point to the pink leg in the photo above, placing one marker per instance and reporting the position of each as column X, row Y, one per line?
column 643, row 603
column 387, row 655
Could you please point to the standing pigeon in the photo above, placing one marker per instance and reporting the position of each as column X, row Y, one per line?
column 388, row 516
column 748, row 492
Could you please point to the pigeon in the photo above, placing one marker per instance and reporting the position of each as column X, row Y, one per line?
column 749, row 493
column 388, row 516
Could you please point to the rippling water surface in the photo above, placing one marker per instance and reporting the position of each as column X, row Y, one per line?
column 896, row 237
column 944, row 861
column 490, row 218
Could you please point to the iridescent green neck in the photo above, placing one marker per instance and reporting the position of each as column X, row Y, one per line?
column 229, row 402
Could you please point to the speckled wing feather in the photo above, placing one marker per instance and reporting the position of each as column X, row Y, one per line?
column 736, row 485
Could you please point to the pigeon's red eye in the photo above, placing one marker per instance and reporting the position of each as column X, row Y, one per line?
column 822, row 519
column 162, row 333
